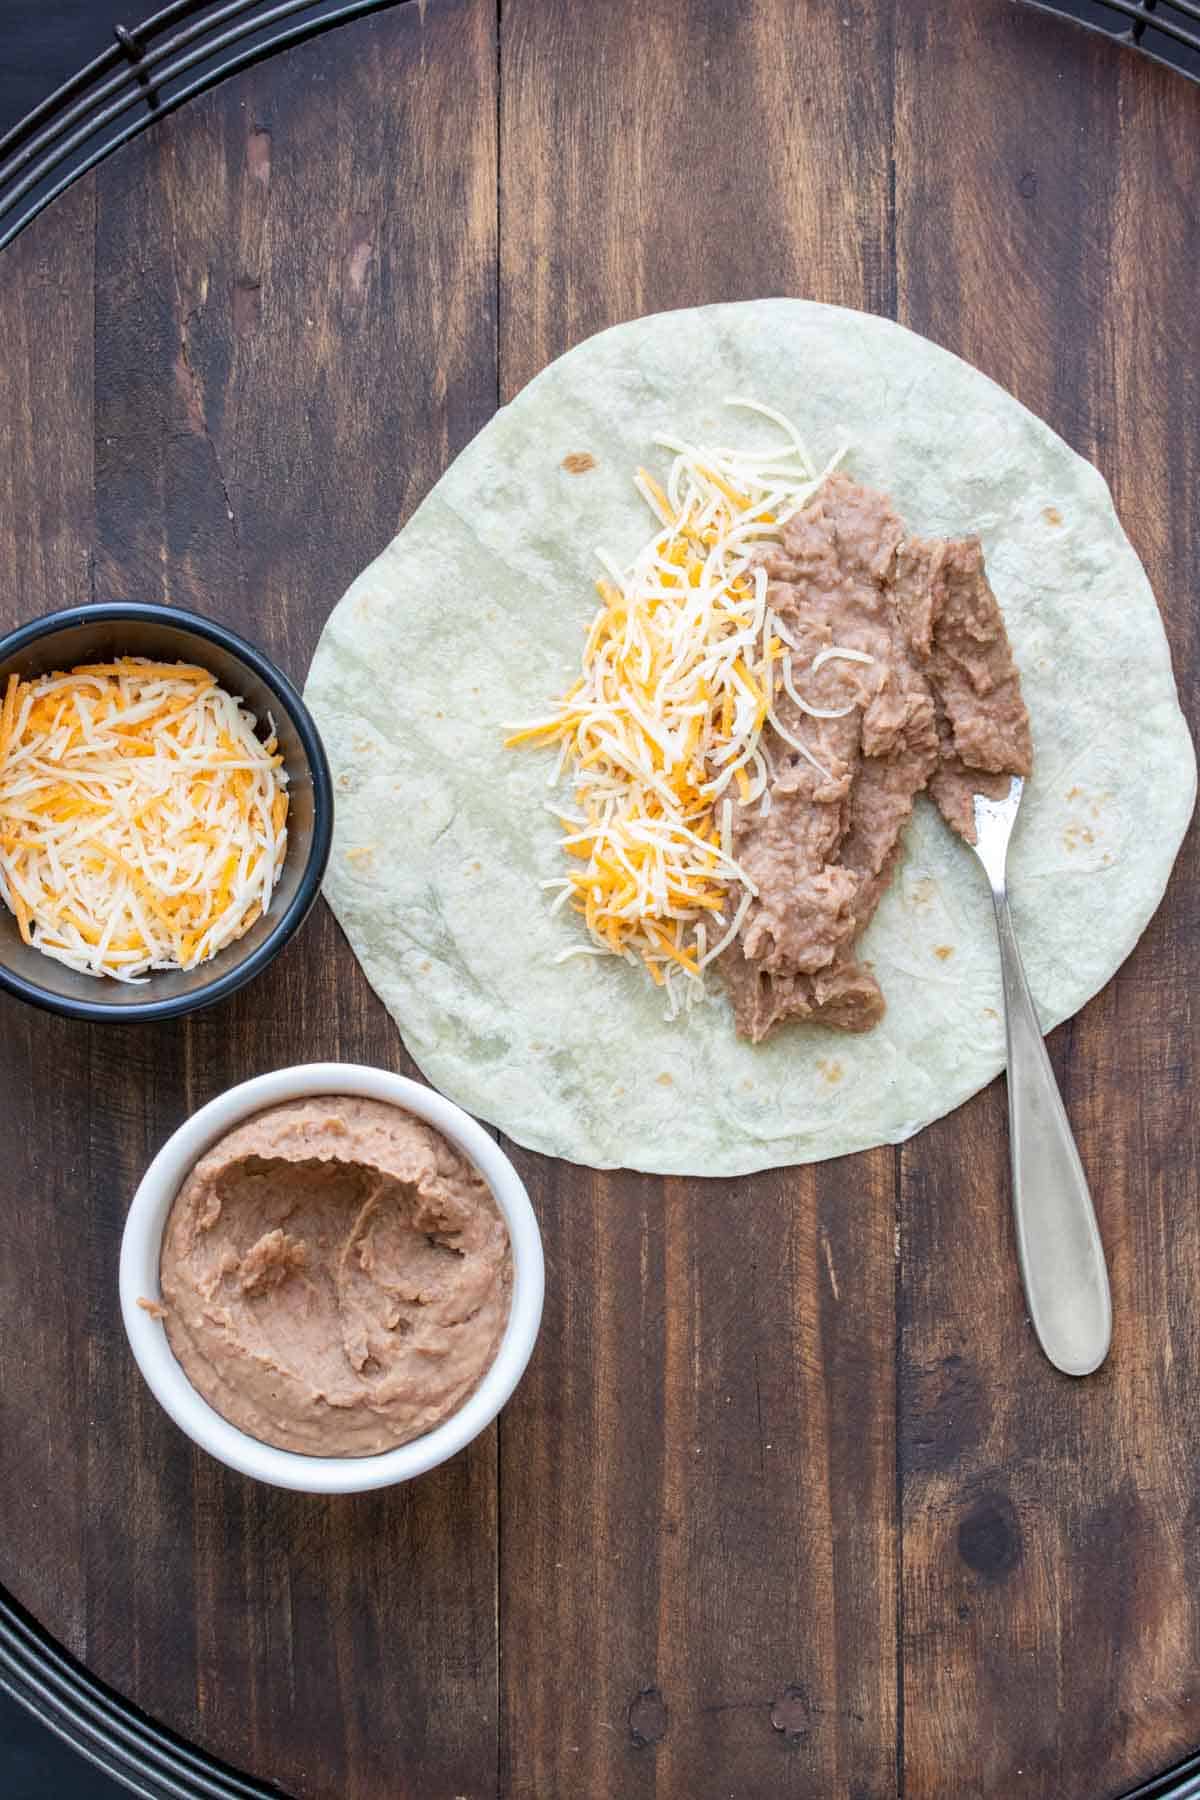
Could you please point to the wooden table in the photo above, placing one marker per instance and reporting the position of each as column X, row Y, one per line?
column 788, row 1503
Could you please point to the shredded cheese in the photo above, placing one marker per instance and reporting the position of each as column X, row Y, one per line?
column 142, row 821
column 682, row 667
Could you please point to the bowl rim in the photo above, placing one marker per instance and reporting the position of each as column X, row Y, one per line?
column 103, row 1012
column 141, row 1244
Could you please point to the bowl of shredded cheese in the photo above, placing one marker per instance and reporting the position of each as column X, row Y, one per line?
column 166, row 811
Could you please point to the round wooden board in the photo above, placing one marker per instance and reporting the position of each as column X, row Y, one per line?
column 789, row 1502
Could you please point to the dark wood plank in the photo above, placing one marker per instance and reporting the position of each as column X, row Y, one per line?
column 1047, row 230
column 295, row 329
column 697, row 1478
column 46, row 510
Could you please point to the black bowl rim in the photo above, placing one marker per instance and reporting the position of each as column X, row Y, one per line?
column 132, row 1012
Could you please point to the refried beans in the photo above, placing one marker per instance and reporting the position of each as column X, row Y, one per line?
column 938, row 706
column 336, row 1277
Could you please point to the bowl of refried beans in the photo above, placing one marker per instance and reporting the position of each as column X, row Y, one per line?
column 331, row 1278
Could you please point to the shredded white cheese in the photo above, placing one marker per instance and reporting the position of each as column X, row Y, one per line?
column 142, row 821
column 682, row 667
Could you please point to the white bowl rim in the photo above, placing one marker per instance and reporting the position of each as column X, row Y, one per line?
column 139, row 1279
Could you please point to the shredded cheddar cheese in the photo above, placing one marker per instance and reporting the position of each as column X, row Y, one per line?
column 663, row 731
column 143, row 824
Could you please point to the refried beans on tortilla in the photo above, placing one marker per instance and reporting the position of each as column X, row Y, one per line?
column 764, row 693
column 938, row 705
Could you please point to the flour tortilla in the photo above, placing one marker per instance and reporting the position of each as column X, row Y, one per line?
column 475, row 616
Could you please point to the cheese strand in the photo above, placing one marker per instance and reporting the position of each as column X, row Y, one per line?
column 682, row 669
column 142, row 820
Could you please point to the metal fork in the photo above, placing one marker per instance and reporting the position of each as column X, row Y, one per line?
column 1058, row 1240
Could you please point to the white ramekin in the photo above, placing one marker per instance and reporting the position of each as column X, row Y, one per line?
column 141, row 1247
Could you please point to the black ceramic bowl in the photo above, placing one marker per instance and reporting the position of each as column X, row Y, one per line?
column 166, row 634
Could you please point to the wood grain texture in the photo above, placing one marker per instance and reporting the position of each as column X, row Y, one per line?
column 788, row 1502
column 721, row 1589
column 1048, row 232
column 46, row 510
column 275, row 280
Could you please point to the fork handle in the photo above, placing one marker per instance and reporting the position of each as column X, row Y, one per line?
column 1058, row 1240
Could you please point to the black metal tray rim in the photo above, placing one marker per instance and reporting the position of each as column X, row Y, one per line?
column 103, row 1726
